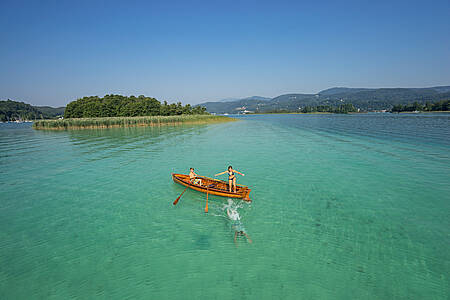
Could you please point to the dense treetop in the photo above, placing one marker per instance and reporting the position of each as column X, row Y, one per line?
column 12, row 110
column 123, row 106
column 443, row 105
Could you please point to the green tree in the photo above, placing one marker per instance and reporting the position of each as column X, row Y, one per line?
column 118, row 105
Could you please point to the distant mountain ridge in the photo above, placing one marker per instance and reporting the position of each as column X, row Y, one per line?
column 247, row 98
column 363, row 98
column 339, row 90
column 51, row 112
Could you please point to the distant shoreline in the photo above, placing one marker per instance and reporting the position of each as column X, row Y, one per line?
column 428, row 112
column 349, row 113
column 293, row 113
column 117, row 122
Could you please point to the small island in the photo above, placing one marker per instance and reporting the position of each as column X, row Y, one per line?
column 122, row 111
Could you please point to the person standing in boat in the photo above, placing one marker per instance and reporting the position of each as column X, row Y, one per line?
column 192, row 177
column 231, row 177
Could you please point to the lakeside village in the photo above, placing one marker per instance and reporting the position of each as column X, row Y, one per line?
column 243, row 111
column 20, row 120
column 329, row 109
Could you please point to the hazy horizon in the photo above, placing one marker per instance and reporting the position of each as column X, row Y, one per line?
column 224, row 98
column 201, row 51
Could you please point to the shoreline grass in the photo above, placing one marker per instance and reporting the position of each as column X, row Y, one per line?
column 115, row 122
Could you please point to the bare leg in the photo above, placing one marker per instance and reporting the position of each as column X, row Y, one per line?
column 248, row 238
column 230, row 183
column 234, row 184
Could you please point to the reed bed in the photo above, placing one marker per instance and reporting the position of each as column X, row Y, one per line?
column 112, row 122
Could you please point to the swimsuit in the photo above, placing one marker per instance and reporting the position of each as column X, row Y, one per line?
column 238, row 227
column 195, row 180
column 231, row 176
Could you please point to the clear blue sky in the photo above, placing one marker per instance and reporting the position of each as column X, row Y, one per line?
column 53, row 52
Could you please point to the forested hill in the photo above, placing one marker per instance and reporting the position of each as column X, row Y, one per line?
column 52, row 112
column 13, row 110
column 248, row 98
column 363, row 98
column 236, row 105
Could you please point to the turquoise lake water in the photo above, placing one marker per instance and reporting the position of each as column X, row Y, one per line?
column 344, row 207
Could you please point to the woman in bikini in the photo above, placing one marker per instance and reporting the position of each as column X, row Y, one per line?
column 231, row 177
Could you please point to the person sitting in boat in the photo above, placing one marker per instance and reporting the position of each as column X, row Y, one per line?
column 231, row 177
column 239, row 230
column 193, row 175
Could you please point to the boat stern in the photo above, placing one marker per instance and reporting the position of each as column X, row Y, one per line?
column 247, row 195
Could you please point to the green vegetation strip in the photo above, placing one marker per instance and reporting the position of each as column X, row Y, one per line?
column 111, row 122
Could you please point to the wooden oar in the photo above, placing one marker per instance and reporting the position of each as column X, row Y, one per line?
column 176, row 200
column 206, row 208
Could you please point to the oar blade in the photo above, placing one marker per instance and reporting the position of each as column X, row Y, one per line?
column 206, row 207
column 176, row 200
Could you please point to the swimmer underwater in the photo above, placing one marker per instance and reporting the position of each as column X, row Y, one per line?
column 237, row 226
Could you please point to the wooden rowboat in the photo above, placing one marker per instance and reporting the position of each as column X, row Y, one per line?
column 213, row 186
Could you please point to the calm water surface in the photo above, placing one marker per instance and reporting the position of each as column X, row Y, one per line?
column 344, row 207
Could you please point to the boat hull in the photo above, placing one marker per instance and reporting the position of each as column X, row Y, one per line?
column 213, row 187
